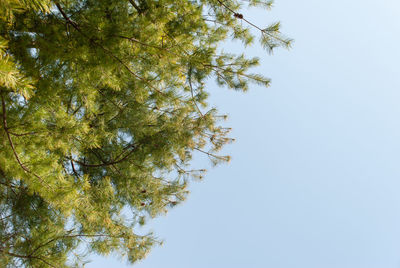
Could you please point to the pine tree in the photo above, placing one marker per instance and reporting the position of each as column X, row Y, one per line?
column 103, row 104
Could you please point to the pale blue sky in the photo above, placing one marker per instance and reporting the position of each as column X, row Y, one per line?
column 314, row 180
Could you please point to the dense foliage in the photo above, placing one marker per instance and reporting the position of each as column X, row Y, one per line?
column 103, row 103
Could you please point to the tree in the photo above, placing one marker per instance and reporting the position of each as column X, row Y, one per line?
column 103, row 103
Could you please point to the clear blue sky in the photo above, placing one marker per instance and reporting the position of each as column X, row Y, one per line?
column 314, row 180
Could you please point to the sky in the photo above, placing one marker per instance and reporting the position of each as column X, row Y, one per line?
column 314, row 180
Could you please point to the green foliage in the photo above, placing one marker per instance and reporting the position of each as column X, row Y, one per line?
column 103, row 104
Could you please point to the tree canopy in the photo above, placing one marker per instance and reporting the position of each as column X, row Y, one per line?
column 103, row 104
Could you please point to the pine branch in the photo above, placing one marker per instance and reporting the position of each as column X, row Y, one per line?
column 263, row 31
column 73, row 169
column 210, row 155
column 22, row 134
column 112, row 162
column 191, row 91
column 70, row 236
column 135, row 6
column 29, row 257
column 4, row 115
column 75, row 25
column 48, row 242
column 105, row 162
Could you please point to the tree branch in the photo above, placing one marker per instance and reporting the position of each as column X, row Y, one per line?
column 75, row 25
column 4, row 115
column 110, row 163
column 135, row 6
column 240, row 16
column 29, row 257
column 191, row 91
